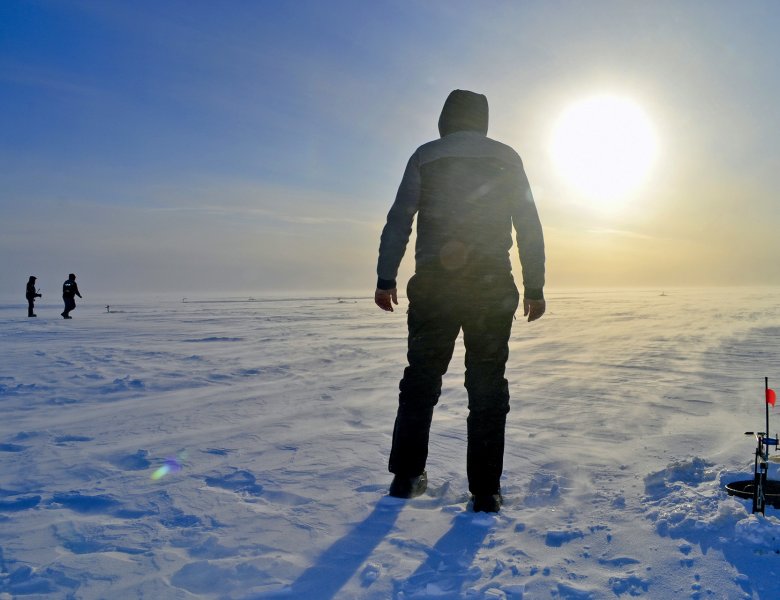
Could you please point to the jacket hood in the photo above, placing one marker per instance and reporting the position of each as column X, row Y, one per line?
column 464, row 111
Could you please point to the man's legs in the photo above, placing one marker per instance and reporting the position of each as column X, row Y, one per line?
column 70, row 304
column 433, row 329
column 30, row 307
column 486, row 332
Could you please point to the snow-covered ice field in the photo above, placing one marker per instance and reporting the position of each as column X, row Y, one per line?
column 628, row 413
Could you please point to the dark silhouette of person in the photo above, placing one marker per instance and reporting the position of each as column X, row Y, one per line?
column 31, row 294
column 69, row 292
column 467, row 191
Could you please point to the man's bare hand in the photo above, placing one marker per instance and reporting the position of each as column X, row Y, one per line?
column 385, row 299
column 533, row 309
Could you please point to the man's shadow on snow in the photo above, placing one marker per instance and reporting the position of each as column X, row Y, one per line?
column 447, row 564
column 341, row 561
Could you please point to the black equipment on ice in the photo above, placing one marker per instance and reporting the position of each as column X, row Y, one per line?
column 763, row 491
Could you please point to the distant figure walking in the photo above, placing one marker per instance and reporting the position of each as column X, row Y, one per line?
column 467, row 191
column 31, row 295
column 69, row 292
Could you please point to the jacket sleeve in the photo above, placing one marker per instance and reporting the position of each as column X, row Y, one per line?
column 76, row 289
column 395, row 235
column 530, row 239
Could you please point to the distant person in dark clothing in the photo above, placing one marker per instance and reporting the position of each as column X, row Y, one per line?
column 31, row 295
column 468, row 191
column 69, row 292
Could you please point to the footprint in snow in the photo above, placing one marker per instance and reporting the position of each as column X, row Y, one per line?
column 99, row 504
column 557, row 538
column 131, row 462
column 90, row 538
column 236, row 481
column 244, row 482
column 546, row 488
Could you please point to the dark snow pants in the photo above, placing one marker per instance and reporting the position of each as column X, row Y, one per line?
column 70, row 304
column 30, row 306
column 438, row 309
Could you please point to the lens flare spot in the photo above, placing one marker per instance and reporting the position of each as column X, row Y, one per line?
column 171, row 465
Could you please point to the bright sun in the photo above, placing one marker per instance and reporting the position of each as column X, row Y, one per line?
column 604, row 146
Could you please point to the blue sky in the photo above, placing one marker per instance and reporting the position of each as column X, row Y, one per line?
column 204, row 147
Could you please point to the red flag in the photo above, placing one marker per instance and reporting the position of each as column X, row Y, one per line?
column 770, row 396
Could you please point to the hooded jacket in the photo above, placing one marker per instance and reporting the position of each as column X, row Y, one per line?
column 467, row 191
column 70, row 290
column 31, row 292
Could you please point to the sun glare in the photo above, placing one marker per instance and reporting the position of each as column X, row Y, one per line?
column 605, row 147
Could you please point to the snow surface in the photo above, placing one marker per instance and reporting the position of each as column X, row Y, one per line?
column 628, row 416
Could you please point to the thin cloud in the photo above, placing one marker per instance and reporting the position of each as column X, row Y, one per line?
column 48, row 79
column 622, row 233
column 234, row 211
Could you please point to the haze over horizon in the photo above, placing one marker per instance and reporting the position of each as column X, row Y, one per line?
column 257, row 146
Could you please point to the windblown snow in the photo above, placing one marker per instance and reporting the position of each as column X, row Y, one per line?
column 237, row 448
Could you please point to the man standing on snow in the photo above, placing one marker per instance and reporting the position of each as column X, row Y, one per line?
column 69, row 292
column 31, row 294
column 468, row 191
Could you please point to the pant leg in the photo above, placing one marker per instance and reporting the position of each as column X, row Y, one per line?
column 70, row 304
column 433, row 329
column 30, row 306
column 486, row 330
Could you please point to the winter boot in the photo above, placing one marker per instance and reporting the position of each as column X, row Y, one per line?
column 489, row 503
column 408, row 487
